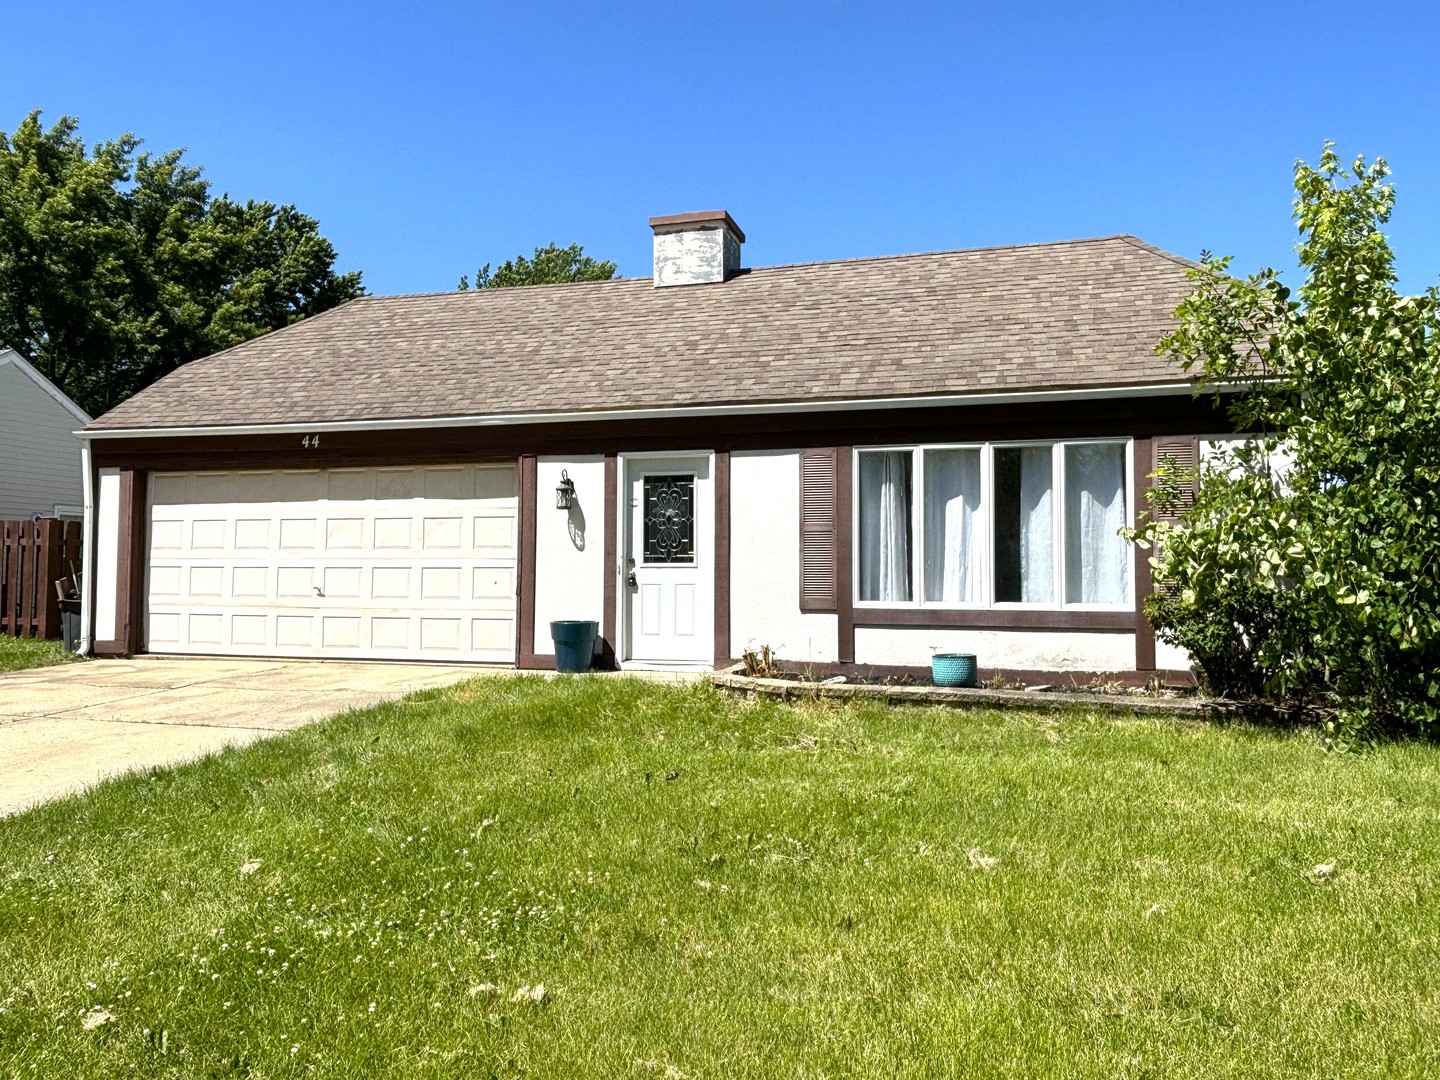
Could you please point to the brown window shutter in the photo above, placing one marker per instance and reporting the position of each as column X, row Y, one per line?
column 819, row 538
column 1182, row 452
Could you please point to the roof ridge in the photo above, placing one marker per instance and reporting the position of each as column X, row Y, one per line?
column 946, row 251
column 748, row 270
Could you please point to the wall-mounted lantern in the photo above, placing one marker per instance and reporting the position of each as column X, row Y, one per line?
column 565, row 492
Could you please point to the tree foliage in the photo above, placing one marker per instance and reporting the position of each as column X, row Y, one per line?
column 117, row 266
column 1318, row 582
column 551, row 265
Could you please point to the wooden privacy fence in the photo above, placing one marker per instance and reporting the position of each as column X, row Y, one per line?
column 33, row 556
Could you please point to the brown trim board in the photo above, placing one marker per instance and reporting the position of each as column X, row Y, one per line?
column 525, row 602
column 844, row 562
column 1118, row 417
column 611, row 561
column 722, row 556
column 1144, row 583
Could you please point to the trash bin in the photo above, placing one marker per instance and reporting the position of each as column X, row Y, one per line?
column 574, row 643
column 70, row 623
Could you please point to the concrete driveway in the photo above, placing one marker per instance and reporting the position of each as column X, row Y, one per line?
column 65, row 728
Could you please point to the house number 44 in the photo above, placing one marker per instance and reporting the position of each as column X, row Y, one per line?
column 311, row 442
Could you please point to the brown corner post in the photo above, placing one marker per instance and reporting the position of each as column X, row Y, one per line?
column 844, row 566
column 722, row 558
column 525, row 603
column 611, row 561
column 1144, row 584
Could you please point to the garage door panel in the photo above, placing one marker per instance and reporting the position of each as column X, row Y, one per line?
column 441, row 533
column 351, row 485
column 394, row 533
column 450, row 485
column 168, row 488
column 397, row 563
column 396, row 484
column 247, row 582
column 250, row 630
column 344, row 534
column 208, row 534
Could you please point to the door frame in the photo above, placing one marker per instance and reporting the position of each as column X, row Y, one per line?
column 624, row 526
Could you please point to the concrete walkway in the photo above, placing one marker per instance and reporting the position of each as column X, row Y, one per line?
column 65, row 728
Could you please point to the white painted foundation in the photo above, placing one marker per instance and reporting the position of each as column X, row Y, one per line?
column 1171, row 657
column 1026, row 650
column 765, row 562
column 569, row 546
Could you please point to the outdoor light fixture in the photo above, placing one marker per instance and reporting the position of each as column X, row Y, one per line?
column 565, row 493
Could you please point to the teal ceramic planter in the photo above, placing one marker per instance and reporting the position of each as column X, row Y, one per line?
column 954, row 669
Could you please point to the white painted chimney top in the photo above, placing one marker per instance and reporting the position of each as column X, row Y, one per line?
column 691, row 249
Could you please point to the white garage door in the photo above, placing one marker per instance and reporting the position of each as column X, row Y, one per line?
column 404, row 563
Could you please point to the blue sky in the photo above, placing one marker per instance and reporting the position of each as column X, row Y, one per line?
column 429, row 138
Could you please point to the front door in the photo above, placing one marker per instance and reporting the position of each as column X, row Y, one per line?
column 667, row 566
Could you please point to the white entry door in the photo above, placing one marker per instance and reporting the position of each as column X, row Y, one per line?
column 668, row 563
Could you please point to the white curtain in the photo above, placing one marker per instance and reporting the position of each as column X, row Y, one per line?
column 1097, row 563
column 952, row 499
column 885, row 525
column 1037, row 526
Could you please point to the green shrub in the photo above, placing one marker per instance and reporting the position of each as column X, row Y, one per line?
column 1322, row 585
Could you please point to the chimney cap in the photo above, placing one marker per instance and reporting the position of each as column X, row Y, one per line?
column 699, row 217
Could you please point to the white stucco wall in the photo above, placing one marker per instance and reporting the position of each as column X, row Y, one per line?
column 1171, row 657
column 1042, row 650
column 569, row 548
column 40, row 462
column 107, row 552
column 765, row 561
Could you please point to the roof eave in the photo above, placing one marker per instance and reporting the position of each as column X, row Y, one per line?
column 1004, row 397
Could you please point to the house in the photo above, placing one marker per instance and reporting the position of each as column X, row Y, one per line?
column 853, row 462
column 39, row 453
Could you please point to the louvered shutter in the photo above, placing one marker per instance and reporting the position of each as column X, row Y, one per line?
column 819, row 536
column 1183, row 451
column 1180, row 452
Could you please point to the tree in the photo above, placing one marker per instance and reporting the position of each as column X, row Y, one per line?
column 551, row 266
column 1322, row 584
column 117, row 266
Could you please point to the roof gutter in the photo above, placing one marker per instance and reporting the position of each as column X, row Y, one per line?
column 1025, row 397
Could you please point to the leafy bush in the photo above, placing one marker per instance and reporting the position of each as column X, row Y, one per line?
column 1321, row 585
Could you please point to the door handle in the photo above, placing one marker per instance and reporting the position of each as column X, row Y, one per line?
column 630, row 574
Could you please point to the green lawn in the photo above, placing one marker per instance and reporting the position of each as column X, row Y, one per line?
column 707, row 887
column 17, row 654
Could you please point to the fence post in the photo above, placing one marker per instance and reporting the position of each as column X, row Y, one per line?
column 8, row 591
column 47, row 603
column 14, row 556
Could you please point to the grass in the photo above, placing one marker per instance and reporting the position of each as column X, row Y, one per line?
column 16, row 654
column 707, row 887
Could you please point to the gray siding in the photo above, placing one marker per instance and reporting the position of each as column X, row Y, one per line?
column 39, row 455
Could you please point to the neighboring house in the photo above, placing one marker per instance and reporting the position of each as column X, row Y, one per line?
column 853, row 462
column 40, row 469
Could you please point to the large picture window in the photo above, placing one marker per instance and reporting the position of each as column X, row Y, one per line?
column 993, row 524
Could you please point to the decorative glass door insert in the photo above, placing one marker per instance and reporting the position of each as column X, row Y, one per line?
column 669, row 519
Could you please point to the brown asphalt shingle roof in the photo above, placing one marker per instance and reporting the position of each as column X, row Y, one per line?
column 1076, row 314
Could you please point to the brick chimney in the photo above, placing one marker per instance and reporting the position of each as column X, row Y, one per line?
column 691, row 249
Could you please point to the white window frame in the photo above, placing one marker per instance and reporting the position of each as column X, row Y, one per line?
column 984, row 526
